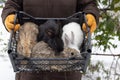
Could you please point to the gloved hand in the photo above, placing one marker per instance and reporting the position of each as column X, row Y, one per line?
column 9, row 23
column 91, row 23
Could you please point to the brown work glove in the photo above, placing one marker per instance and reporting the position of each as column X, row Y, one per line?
column 9, row 23
column 91, row 21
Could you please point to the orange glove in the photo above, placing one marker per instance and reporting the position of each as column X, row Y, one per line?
column 91, row 23
column 9, row 23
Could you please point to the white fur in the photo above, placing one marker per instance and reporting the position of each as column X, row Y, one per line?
column 72, row 41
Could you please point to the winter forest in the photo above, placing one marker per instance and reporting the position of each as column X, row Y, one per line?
column 105, row 58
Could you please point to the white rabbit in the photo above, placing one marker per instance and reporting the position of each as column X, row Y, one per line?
column 72, row 36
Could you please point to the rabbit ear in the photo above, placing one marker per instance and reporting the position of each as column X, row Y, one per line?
column 72, row 37
column 67, row 40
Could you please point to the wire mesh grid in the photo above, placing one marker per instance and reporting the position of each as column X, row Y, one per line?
column 49, row 65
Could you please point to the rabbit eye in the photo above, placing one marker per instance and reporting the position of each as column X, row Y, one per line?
column 72, row 53
column 49, row 33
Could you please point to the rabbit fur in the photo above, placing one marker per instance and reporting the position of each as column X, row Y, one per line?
column 72, row 36
column 27, row 38
column 50, row 32
column 42, row 50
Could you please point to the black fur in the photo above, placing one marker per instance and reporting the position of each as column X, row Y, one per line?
column 51, row 32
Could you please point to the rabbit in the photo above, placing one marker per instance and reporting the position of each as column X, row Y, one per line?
column 66, row 53
column 72, row 36
column 70, row 52
column 42, row 50
column 50, row 32
column 27, row 38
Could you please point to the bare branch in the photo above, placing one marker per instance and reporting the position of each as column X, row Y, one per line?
column 105, row 54
column 104, row 9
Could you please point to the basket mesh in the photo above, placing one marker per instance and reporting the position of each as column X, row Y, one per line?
column 51, row 64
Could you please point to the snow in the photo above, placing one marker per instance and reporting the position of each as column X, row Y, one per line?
column 6, row 70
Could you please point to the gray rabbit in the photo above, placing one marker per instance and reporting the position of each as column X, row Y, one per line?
column 42, row 51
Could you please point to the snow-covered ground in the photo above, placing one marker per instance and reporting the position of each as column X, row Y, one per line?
column 7, row 73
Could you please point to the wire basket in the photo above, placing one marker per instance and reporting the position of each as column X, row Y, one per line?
column 22, row 63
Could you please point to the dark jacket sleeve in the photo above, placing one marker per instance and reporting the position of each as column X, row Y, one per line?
column 89, row 6
column 11, row 6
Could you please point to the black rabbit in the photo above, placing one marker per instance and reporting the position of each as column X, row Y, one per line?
column 51, row 32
